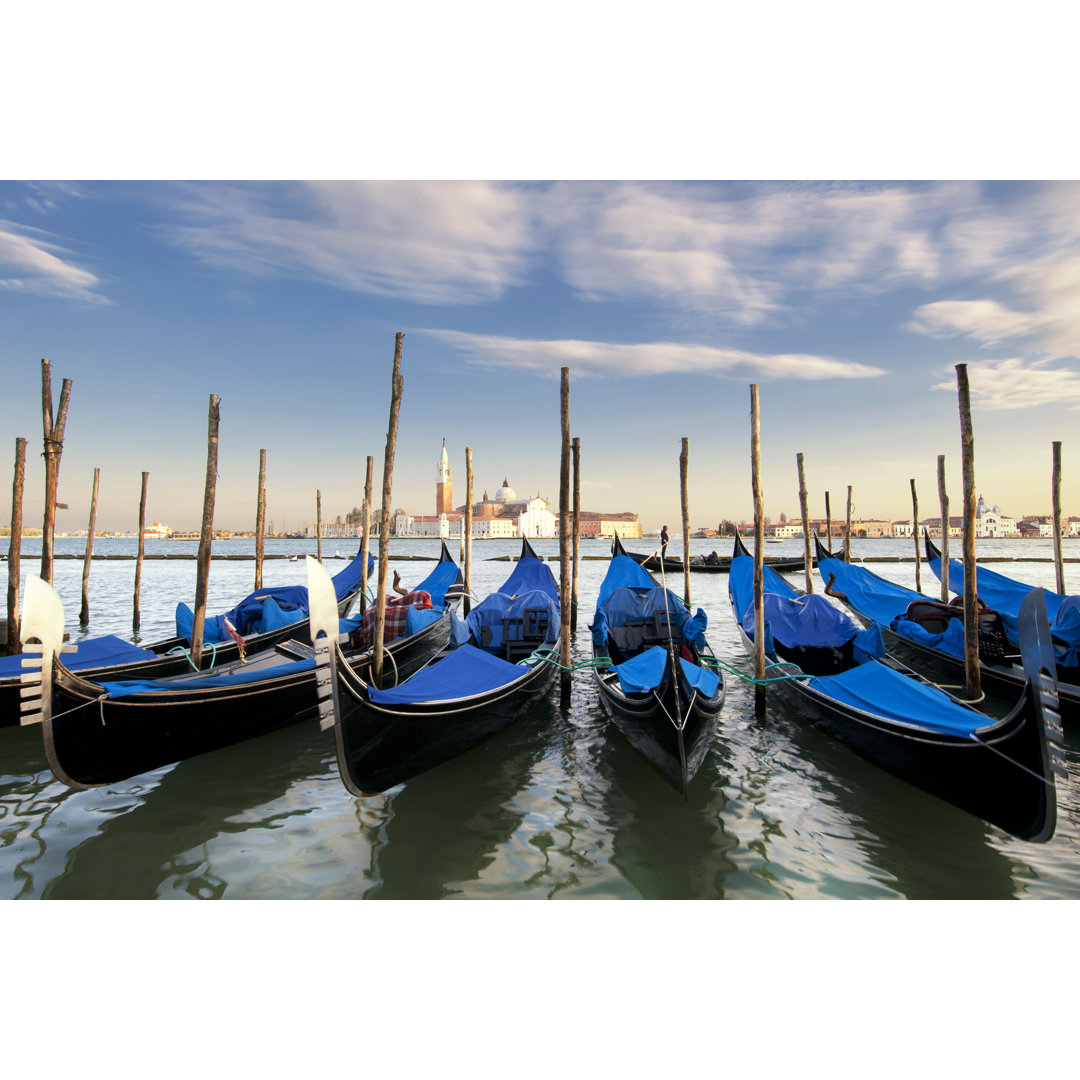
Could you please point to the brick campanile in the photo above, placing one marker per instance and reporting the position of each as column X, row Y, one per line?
column 444, row 501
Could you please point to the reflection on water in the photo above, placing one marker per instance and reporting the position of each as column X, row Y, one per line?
column 557, row 806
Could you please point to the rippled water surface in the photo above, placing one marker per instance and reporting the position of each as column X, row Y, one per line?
column 556, row 806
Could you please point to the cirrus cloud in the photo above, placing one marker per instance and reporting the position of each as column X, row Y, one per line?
column 601, row 358
column 30, row 263
column 1016, row 383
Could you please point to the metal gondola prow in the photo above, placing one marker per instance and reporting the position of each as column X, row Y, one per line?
column 1040, row 667
column 325, row 634
column 41, row 631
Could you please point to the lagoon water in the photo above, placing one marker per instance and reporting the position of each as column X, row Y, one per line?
column 558, row 806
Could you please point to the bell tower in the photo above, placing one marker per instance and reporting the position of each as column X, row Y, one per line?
column 444, row 503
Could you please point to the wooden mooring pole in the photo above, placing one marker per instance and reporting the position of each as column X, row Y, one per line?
column 915, row 530
column 575, row 453
column 759, row 547
column 260, row 521
column 564, row 538
column 1055, row 484
column 972, row 681
column 808, row 558
column 206, row 533
column 53, row 432
column 943, row 501
column 365, row 524
column 135, row 616
column 466, row 535
column 318, row 525
column 847, row 529
column 684, row 470
column 828, row 523
column 397, row 385
column 84, row 611
column 15, row 546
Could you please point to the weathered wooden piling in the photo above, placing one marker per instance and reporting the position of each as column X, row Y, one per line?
column 53, row 433
column 15, row 546
column 135, row 615
column 466, row 600
column 575, row 453
column 84, row 611
column 828, row 523
column 684, row 469
column 397, row 385
column 365, row 524
column 808, row 558
column 972, row 681
column 915, row 531
column 943, row 502
column 206, row 533
column 847, row 529
column 318, row 525
column 759, row 547
column 260, row 521
column 564, row 538
column 1055, row 485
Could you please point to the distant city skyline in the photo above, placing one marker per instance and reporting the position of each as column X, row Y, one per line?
column 848, row 303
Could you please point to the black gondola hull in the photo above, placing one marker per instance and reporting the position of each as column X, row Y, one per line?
column 972, row 776
column 90, row 742
column 382, row 746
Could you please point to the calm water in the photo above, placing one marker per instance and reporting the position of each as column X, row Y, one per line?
column 557, row 806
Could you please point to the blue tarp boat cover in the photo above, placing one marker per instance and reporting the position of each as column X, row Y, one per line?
column 645, row 672
column 707, row 682
column 650, row 605
column 793, row 620
column 494, row 608
column 460, row 674
column 529, row 574
column 247, row 615
column 623, row 572
column 93, row 652
column 437, row 582
column 1004, row 595
column 206, row 681
column 886, row 604
column 880, row 691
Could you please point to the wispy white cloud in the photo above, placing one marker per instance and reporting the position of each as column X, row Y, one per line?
column 1017, row 383
column 29, row 263
column 599, row 358
column 436, row 243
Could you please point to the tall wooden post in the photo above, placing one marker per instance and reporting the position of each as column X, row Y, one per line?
column 84, row 611
column 808, row 559
column 575, row 453
column 466, row 535
column 135, row 616
column 684, row 468
column 1055, row 483
column 828, row 522
column 365, row 546
column 397, row 385
column 564, row 538
column 759, row 548
column 53, row 432
column 318, row 525
column 15, row 546
column 943, row 500
column 206, row 533
column 915, row 518
column 972, row 682
column 847, row 529
column 260, row 521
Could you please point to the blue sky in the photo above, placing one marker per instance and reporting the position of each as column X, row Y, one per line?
column 847, row 302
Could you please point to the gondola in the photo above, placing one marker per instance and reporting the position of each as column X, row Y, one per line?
column 1005, row 595
column 264, row 618
column 838, row 676
column 929, row 635
column 100, row 732
column 656, row 674
column 698, row 565
column 491, row 674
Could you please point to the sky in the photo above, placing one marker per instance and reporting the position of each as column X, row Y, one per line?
column 848, row 303
column 341, row 204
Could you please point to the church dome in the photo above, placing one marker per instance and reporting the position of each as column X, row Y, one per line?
column 505, row 493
